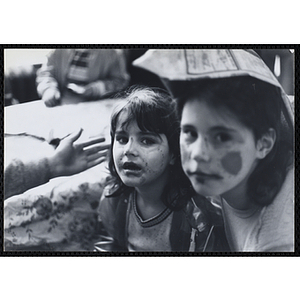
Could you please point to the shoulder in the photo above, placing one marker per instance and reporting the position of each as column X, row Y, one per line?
column 112, row 213
column 109, row 203
column 276, row 230
column 106, row 199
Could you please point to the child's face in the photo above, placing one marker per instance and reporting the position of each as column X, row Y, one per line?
column 218, row 152
column 140, row 158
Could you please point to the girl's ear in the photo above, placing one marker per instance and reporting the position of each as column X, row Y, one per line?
column 266, row 143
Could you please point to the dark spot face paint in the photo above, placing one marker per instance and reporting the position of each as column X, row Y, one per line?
column 232, row 163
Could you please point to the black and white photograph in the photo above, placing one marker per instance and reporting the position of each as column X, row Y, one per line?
column 86, row 213
column 149, row 151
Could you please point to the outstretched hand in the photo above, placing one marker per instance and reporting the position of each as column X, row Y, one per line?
column 69, row 159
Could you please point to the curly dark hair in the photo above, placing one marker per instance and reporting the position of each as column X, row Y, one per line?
column 259, row 106
column 154, row 110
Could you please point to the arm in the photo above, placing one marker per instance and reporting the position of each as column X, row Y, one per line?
column 117, row 78
column 47, row 85
column 19, row 177
column 275, row 230
column 67, row 159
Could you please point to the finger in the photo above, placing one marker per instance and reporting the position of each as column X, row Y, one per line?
column 49, row 103
column 53, row 103
column 100, row 147
column 74, row 136
column 96, row 149
column 92, row 142
column 96, row 156
column 57, row 95
column 94, row 163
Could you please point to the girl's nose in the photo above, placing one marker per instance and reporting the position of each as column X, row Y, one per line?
column 200, row 149
column 130, row 148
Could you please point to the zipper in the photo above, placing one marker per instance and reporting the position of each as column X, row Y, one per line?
column 208, row 237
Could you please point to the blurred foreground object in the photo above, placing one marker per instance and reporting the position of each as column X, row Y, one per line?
column 81, row 74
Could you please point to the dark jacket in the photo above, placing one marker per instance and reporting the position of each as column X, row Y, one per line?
column 203, row 233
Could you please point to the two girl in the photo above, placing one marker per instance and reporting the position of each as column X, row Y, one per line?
column 149, row 204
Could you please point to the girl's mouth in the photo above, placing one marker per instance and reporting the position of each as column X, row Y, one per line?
column 130, row 166
column 200, row 176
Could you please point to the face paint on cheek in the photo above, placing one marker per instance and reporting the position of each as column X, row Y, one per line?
column 232, row 163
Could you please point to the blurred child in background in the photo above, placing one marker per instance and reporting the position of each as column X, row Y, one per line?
column 81, row 74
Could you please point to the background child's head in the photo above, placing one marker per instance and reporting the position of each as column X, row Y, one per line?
column 258, row 106
column 154, row 111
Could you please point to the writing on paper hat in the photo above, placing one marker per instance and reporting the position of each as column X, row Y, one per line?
column 196, row 64
column 191, row 64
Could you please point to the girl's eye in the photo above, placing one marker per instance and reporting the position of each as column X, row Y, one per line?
column 222, row 137
column 189, row 134
column 147, row 141
column 122, row 140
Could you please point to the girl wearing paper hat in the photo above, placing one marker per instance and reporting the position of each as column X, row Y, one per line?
column 236, row 140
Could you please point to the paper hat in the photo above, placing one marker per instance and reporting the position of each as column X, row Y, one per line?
column 191, row 64
column 195, row 64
